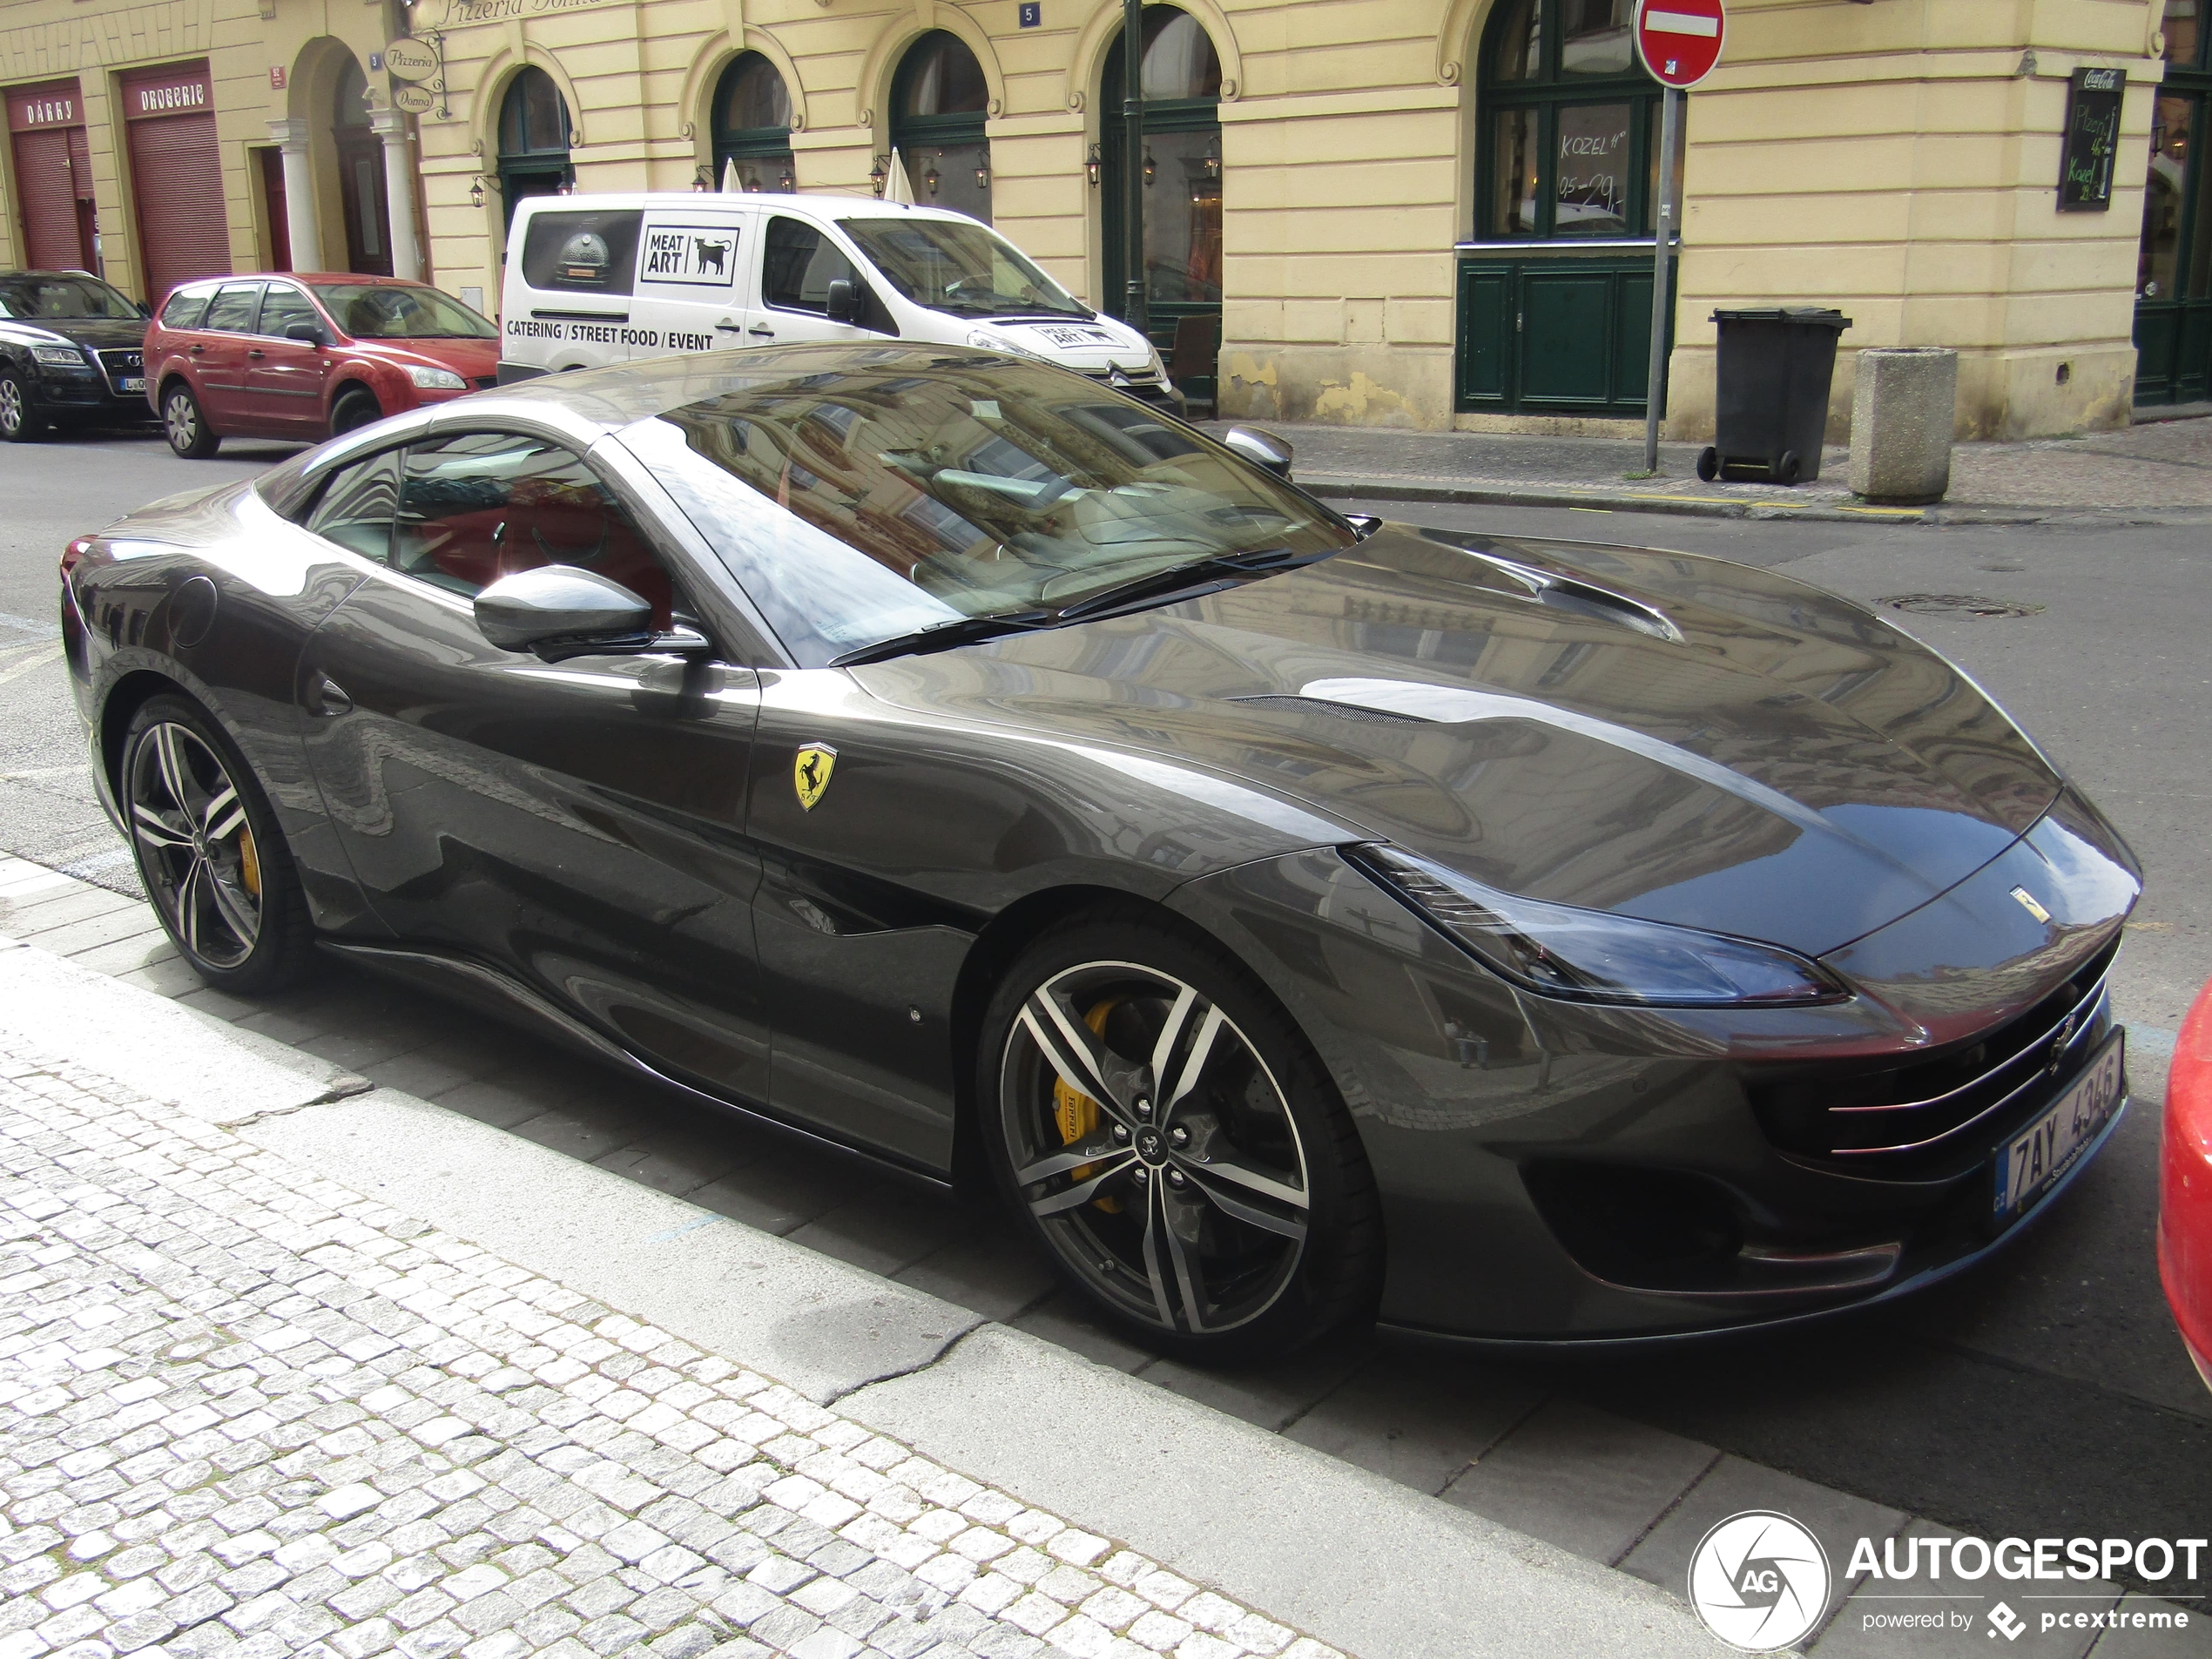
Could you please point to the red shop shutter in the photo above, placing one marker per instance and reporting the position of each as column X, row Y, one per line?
column 177, row 175
column 49, row 197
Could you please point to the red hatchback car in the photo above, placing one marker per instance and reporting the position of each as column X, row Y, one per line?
column 303, row 356
column 2185, row 1197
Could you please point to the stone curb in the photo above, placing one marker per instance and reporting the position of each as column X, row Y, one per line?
column 1605, row 500
column 1345, row 1555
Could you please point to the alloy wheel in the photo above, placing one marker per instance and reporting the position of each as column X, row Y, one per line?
column 1154, row 1147
column 181, row 421
column 13, row 413
column 195, row 846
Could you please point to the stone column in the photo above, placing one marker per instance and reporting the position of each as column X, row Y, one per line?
column 303, row 221
column 390, row 127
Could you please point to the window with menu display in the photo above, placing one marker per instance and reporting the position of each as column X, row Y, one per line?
column 1570, row 137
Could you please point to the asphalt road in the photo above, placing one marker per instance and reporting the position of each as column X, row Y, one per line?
column 2046, row 1395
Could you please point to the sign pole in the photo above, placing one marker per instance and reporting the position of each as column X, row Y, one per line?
column 1662, row 255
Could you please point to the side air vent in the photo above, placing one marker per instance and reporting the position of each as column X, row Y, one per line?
column 1341, row 711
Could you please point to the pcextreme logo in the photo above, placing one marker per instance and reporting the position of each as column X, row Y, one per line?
column 1760, row 1580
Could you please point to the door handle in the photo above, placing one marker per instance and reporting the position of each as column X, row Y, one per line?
column 728, row 327
column 257, row 352
column 327, row 698
column 198, row 349
column 763, row 330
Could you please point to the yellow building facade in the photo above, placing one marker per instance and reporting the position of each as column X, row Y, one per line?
column 1421, row 214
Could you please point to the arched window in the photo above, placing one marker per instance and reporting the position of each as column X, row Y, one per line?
column 938, row 102
column 1570, row 123
column 362, row 188
column 1181, row 76
column 533, row 138
column 752, row 125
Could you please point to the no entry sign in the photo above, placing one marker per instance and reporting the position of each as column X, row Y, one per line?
column 1680, row 40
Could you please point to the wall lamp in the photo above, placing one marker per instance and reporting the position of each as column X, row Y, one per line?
column 1092, row 164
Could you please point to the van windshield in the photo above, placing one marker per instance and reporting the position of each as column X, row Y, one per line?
column 961, row 266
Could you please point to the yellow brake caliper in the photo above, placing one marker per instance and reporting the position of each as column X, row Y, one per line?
column 249, row 861
column 1076, row 1114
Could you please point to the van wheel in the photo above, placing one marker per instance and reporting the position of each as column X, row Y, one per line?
column 186, row 428
column 356, row 409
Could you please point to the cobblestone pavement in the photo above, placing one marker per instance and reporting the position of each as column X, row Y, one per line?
column 245, row 1412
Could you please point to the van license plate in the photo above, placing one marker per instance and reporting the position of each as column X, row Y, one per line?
column 2023, row 1171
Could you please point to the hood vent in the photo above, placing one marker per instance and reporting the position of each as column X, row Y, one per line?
column 1341, row 711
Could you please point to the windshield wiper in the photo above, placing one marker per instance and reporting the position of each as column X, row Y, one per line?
column 1221, row 569
column 943, row 636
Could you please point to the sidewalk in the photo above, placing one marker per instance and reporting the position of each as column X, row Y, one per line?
column 2154, row 472
column 1364, row 1498
column 288, row 1367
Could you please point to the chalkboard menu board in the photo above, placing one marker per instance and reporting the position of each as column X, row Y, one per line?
column 2092, row 139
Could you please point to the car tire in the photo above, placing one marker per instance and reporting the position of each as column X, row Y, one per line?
column 1232, row 1221
column 356, row 408
column 20, row 421
column 185, row 424
column 212, row 860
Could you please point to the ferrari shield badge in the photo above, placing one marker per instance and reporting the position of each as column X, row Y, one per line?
column 2028, row 903
column 810, row 773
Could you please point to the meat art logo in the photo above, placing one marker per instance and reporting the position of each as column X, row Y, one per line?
column 1759, row 1581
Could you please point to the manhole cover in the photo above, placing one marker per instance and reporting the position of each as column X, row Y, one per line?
column 1974, row 604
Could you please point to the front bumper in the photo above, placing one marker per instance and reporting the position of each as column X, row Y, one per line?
column 90, row 396
column 1556, row 1172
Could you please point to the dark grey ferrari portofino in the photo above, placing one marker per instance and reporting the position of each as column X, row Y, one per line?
column 1300, row 919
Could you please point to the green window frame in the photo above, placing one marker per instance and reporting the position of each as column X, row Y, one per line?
column 1529, row 114
column 763, row 152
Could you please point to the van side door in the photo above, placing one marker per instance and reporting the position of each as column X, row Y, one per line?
column 798, row 260
column 693, row 291
column 578, row 274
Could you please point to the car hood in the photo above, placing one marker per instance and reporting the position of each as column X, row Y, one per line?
column 1657, row 734
column 101, row 334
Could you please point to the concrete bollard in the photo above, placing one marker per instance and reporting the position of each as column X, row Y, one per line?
column 1901, row 416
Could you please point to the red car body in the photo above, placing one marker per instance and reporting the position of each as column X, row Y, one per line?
column 248, row 380
column 2185, row 1186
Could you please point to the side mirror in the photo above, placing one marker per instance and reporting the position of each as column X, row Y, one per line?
column 1261, row 447
column 843, row 304
column 310, row 333
column 559, row 611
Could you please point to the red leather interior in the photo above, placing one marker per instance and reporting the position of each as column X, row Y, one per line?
column 544, row 520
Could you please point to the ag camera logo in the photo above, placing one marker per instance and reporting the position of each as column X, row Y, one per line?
column 1759, row 1581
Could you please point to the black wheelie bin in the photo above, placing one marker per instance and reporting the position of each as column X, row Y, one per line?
column 1773, row 367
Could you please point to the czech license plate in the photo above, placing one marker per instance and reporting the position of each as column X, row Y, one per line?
column 2046, row 1150
column 131, row 383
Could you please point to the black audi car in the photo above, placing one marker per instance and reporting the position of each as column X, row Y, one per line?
column 71, row 354
column 1298, row 918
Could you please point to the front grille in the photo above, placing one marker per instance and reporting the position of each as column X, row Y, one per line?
column 1938, row 1117
column 118, row 363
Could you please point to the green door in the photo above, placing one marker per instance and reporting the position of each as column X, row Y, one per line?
column 1565, row 335
column 2173, row 271
column 1182, row 80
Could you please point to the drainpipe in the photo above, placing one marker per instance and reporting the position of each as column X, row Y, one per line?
column 1133, row 306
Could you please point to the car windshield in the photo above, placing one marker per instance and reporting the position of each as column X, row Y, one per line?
column 930, row 489
column 959, row 265
column 34, row 297
column 375, row 313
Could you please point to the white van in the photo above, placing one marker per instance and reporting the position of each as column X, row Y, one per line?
column 612, row 278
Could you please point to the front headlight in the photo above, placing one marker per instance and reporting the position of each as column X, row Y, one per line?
column 60, row 356
column 1594, row 956
column 983, row 340
column 1156, row 363
column 437, row 379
